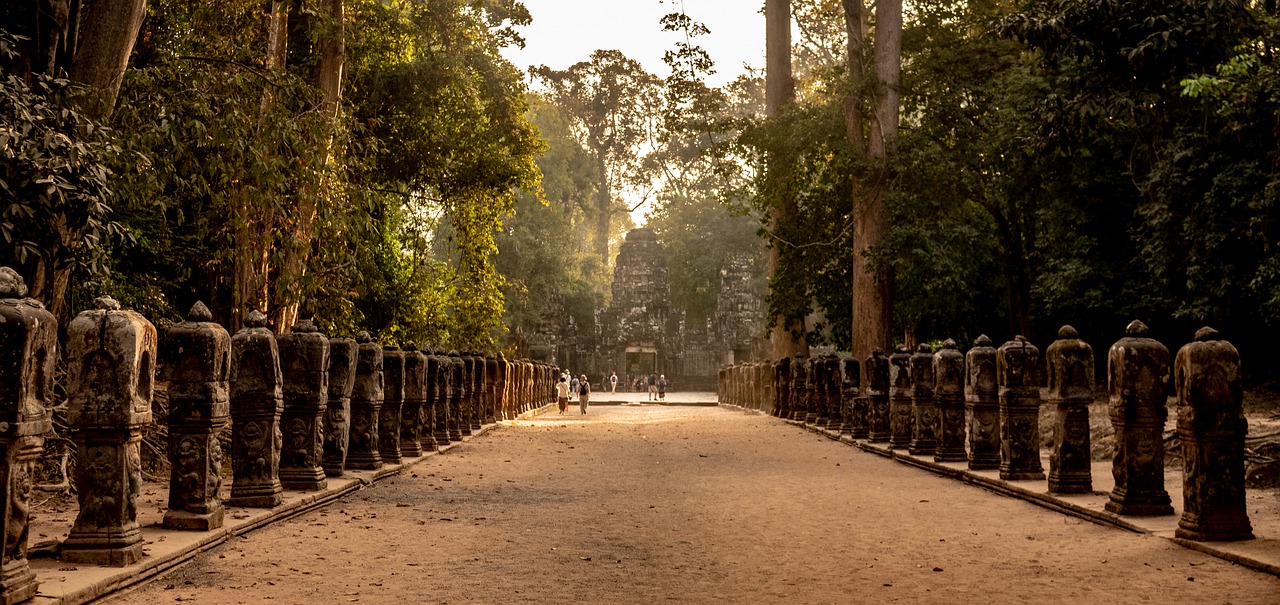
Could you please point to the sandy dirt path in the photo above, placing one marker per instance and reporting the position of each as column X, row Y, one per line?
column 645, row 504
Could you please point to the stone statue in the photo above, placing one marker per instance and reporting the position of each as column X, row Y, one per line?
column 1070, row 390
column 304, row 363
column 1137, row 376
column 948, row 395
column 981, row 397
column 1018, row 369
column 392, row 401
column 366, row 405
column 876, row 392
column 343, row 353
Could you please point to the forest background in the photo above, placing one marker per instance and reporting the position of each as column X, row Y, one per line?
column 377, row 165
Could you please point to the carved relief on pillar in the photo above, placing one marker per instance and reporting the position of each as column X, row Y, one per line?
column 924, row 410
column 415, row 397
column 948, row 395
column 366, row 405
column 876, row 368
column 392, row 402
column 782, row 382
column 1137, row 378
column 304, row 363
column 343, row 353
column 257, row 402
column 1018, row 370
column 1070, row 390
column 982, row 401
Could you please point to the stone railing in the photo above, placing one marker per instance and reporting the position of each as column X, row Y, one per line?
column 302, row 407
column 983, row 407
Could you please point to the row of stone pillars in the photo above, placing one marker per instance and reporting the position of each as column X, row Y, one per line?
column 302, row 407
column 982, row 407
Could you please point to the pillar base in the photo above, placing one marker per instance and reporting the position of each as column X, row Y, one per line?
column 1150, row 508
column 103, row 547
column 186, row 521
column 1203, row 535
column 258, row 496
column 950, row 456
column 303, row 479
column 1023, row 475
column 984, row 465
column 1070, row 485
column 17, row 583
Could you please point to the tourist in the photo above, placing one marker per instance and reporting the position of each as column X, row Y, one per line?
column 613, row 382
column 573, row 386
column 653, row 387
column 562, row 394
column 584, row 393
column 662, row 388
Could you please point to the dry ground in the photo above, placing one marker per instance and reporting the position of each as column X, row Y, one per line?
column 640, row 504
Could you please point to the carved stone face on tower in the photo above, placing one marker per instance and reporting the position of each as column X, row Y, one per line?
column 110, row 367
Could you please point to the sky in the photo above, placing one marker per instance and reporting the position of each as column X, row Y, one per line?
column 565, row 32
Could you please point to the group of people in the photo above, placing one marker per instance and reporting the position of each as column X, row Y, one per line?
column 570, row 386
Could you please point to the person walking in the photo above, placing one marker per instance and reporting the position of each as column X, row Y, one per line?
column 584, row 393
column 662, row 387
column 573, row 385
column 653, row 387
column 562, row 394
column 613, row 383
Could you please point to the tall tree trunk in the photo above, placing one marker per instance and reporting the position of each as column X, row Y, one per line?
column 105, row 42
column 604, row 212
column 330, row 35
column 872, row 313
column 779, row 93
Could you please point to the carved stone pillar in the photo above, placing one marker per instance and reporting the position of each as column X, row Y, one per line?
column 799, row 388
column 876, row 393
column 366, row 406
column 304, row 361
column 1018, row 369
column 474, row 366
column 948, row 395
column 1070, row 377
column 415, row 396
column 835, row 409
column 1137, row 375
column 504, row 387
column 1211, row 426
column 110, row 375
column 443, row 372
column 343, row 353
column 197, row 355
column 431, row 369
column 924, row 410
column 492, row 411
column 782, row 382
column 257, row 401
column 28, row 352
column 858, row 417
column 900, row 423
column 981, row 396
column 457, row 416
column 392, row 402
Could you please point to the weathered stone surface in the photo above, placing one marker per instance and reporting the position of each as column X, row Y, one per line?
column 782, row 378
column 28, row 352
column 304, row 364
column 1018, row 371
column 948, row 395
column 982, row 402
column 197, row 354
column 1137, row 378
column 438, row 365
column 493, row 409
column 876, row 391
column 835, row 410
column 110, row 377
column 343, row 355
column 415, row 397
column 799, row 388
column 1212, row 427
column 366, row 406
column 457, row 390
column 504, row 387
column 1070, row 390
column 924, row 410
column 900, row 423
column 474, row 371
column 392, row 400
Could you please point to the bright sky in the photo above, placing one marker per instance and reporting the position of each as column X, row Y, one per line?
column 565, row 32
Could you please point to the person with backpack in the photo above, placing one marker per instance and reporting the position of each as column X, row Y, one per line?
column 662, row 388
column 613, row 382
column 653, row 387
column 584, row 393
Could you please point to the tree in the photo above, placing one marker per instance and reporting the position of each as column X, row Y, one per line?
column 613, row 103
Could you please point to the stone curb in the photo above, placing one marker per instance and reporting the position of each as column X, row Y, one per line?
column 1043, row 500
column 111, row 580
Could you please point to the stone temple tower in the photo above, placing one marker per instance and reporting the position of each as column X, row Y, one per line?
column 638, row 326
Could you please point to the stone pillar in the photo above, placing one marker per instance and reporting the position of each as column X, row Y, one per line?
column 857, row 420
column 366, row 406
column 770, row 402
column 1018, row 370
column 475, row 370
column 817, row 400
column 304, row 362
column 877, row 396
column 799, row 388
column 504, row 375
column 900, row 398
column 392, row 404
column 197, row 355
column 1212, row 427
column 835, row 395
column 981, row 396
column 1070, row 378
column 343, row 353
column 924, row 410
column 257, row 402
column 457, row 417
column 782, row 380
column 493, row 411
column 1137, row 375
column 430, row 366
column 948, row 395
column 110, row 375
column 28, row 352
column 442, row 372
column 415, row 397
